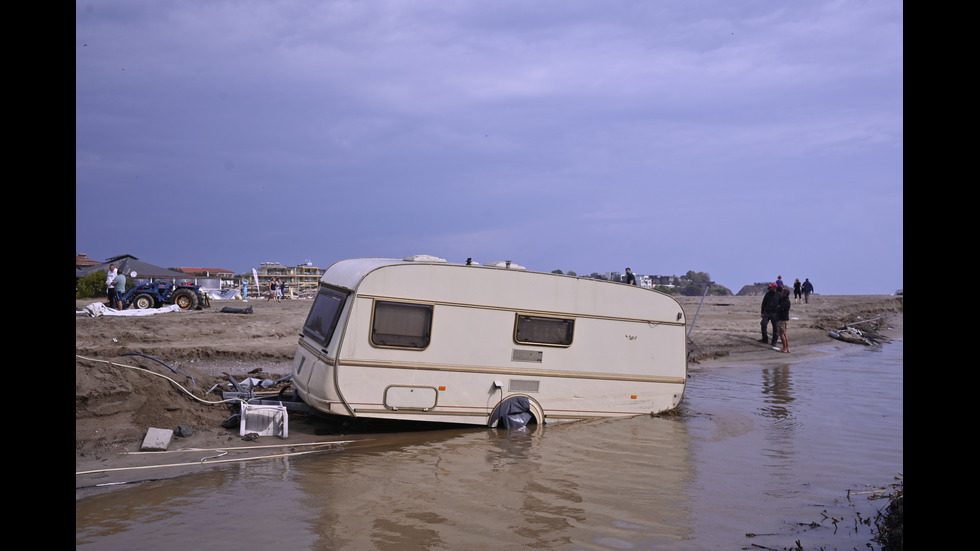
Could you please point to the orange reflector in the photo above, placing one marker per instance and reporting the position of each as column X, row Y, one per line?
column 442, row 388
column 633, row 397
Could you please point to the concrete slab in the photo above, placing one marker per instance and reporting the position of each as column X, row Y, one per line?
column 156, row 440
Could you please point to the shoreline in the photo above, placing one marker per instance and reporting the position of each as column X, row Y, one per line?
column 802, row 347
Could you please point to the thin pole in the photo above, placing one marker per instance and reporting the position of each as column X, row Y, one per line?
column 698, row 311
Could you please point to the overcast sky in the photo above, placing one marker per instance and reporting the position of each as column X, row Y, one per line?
column 743, row 139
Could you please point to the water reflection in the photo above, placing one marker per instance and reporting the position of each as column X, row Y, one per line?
column 777, row 453
column 777, row 391
column 550, row 487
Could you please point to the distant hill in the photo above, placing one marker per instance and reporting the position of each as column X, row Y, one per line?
column 752, row 290
column 696, row 290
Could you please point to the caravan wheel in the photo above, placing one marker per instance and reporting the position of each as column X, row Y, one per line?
column 515, row 412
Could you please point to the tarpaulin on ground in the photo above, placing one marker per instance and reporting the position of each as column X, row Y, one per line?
column 97, row 309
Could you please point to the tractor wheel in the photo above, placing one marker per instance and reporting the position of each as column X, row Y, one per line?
column 186, row 299
column 143, row 301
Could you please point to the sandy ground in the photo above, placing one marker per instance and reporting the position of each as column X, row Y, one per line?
column 137, row 373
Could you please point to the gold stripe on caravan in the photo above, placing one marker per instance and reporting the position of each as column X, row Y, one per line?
column 517, row 372
column 516, row 310
column 394, row 414
column 390, row 413
column 400, row 412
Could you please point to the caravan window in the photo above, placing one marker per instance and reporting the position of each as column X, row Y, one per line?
column 324, row 313
column 541, row 330
column 401, row 324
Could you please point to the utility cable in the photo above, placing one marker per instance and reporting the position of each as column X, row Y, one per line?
column 178, row 385
column 163, row 364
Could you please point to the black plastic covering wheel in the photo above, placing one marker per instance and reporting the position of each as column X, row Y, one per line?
column 512, row 413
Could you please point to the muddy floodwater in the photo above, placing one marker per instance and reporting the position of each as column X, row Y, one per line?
column 760, row 458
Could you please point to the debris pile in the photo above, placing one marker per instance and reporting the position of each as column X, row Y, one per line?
column 869, row 336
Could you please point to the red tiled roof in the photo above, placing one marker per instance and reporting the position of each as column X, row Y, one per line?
column 84, row 260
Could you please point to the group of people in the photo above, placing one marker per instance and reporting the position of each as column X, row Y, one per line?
column 277, row 289
column 775, row 310
column 801, row 291
column 116, row 287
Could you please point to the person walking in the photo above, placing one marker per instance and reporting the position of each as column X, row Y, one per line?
column 797, row 291
column 769, row 304
column 783, row 316
column 273, row 289
column 630, row 278
column 807, row 288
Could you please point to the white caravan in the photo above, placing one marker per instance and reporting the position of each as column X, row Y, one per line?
column 420, row 339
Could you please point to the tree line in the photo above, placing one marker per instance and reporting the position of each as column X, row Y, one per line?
column 690, row 284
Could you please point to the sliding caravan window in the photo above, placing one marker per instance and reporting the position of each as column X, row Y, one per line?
column 544, row 330
column 322, row 320
column 401, row 325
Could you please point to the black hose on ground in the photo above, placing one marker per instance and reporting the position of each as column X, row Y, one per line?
column 163, row 364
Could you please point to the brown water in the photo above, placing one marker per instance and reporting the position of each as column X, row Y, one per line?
column 763, row 458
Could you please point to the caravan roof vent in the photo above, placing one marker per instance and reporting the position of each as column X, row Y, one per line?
column 423, row 258
column 505, row 264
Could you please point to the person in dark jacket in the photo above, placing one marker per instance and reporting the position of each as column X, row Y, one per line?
column 769, row 304
column 807, row 289
column 782, row 314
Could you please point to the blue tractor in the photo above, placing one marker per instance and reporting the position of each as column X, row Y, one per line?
column 157, row 294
